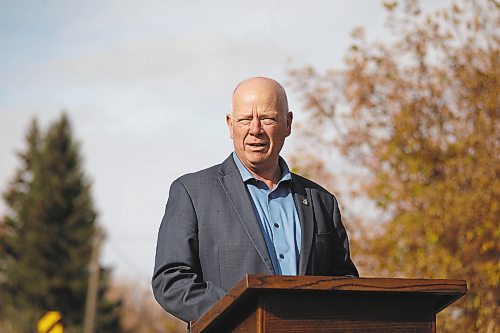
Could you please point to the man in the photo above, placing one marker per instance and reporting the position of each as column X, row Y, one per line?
column 249, row 214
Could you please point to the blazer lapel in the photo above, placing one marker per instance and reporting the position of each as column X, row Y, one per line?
column 235, row 190
column 303, row 203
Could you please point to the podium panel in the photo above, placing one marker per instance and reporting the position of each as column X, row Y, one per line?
column 271, row 303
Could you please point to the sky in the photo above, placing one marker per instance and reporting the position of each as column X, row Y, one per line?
column 147, row 84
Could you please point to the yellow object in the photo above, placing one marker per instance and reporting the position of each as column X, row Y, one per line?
column 50, row 323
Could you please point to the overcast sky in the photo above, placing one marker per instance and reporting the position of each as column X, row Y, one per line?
column 147, row 85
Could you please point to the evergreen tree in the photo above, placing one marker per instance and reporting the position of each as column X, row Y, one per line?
column 47, row 235
column 17, row 237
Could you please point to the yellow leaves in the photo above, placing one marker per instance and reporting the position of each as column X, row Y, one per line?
column 477, row 24
column 470, row 235
column 492, row 273
column 390, row 5
column 432, row 238
column 487, row 246
column 456, row 9
column 421, row 116
column 358, row 33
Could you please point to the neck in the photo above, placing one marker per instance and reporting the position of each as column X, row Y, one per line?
column 269, row 175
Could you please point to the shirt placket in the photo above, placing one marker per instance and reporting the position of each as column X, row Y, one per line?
column 278, row 230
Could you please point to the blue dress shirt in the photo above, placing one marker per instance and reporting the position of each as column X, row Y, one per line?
column 279, row 220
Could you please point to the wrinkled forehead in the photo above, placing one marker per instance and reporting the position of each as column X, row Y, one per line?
column 258, row 110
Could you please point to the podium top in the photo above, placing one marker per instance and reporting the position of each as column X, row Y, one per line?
column 445, row 291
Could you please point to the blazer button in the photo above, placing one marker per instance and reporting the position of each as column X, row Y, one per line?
column 305, row 201
column 282, row 256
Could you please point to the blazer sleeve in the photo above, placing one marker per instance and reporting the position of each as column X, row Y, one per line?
column 344, row 266
column 177, row 281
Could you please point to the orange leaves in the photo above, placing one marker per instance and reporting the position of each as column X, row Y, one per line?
column 420, row 117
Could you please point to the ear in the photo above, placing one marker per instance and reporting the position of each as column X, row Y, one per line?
column 229, row 122
column 289, row 119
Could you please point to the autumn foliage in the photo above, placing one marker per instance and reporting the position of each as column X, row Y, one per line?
column 416, row 118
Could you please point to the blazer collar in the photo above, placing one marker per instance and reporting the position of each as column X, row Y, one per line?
column 304, row 204
column 232, row 183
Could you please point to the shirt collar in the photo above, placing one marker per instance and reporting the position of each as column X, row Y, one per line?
column 247, row 175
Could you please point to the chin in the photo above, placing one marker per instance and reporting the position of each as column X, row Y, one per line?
column 258, row 158
column 259, row 163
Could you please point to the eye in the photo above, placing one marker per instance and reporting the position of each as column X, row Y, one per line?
column 244, row 121
column 268, row 121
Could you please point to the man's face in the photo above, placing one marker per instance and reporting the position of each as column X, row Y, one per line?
column 258, row 126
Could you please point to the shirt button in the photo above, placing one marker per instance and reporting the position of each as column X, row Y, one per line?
column 282, row 256
column 276, row 225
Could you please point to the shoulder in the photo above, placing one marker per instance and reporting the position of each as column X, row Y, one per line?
column 206, row 177
column 194, row 185
column 303, row 182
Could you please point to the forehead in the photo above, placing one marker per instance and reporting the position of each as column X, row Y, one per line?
column 255, row 108
column 264, row 101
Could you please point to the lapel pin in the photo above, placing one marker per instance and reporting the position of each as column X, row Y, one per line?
column 305, row 201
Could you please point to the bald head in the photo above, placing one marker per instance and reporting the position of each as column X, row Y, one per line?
column 256, row 87
column 258, row 123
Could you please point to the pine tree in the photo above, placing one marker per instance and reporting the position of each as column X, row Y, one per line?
column 47, row 235
column 17, row 237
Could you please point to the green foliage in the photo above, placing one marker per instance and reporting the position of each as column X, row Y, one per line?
column 419, row 115
column 46, row 235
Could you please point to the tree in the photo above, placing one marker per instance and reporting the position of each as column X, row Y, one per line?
column 140, row 313
column 417, row 118
column 47, row 235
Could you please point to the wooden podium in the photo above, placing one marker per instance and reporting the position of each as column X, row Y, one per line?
column 293, row 304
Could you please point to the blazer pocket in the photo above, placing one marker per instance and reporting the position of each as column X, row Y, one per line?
column 324, row 238
column 328, row 243
column 325, row 253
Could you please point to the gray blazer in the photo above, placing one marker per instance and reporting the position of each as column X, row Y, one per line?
column 210, row 238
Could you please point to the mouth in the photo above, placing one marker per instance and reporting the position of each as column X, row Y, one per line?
column 257, row 146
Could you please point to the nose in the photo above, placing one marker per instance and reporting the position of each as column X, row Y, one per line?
column 255, row 127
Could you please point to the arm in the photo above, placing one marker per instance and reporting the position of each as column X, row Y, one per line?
column 346, row 266
column 178, row 283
